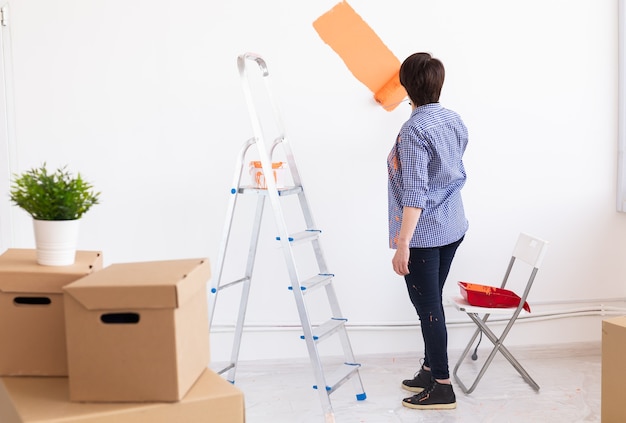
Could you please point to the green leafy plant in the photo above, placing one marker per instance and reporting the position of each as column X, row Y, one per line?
column 54, row 195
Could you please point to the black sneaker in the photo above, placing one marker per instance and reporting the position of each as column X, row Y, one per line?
column 438, row 396
column 421, row 381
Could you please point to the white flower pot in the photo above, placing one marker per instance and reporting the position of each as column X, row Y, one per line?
column 56, row 241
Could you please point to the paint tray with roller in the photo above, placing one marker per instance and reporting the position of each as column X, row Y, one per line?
column 490, row 296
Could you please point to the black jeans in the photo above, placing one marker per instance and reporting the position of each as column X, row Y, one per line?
column 428, row 270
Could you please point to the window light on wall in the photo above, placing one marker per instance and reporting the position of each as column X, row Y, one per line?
column 621, row 152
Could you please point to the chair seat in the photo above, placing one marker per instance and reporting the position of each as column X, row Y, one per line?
column 462, row 305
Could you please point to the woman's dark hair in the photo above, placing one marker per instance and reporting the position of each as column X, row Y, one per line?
column 422, row 77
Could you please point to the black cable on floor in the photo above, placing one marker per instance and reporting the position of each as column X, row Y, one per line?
column 475, row 355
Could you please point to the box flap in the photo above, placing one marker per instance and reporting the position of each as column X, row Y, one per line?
column 20, row 272
column 144, row 285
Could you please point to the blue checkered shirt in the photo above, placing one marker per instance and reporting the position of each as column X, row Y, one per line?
column 426, row 171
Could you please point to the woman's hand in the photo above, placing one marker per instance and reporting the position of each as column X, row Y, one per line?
column 400, row 261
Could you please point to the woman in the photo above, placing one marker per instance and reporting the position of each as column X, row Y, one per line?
column 427, row 221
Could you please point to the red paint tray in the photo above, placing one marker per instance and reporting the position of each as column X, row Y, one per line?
column 490, row 296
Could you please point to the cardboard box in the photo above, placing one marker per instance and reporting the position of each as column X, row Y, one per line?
column 30, row 399
column 613, row 370
column 138, row 331
column 32, row 327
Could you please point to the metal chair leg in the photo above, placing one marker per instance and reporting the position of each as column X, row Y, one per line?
column 498, row 347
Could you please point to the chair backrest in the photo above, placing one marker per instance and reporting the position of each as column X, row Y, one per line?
column 530, row 250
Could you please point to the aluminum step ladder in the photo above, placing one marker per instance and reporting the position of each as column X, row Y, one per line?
column 300, row 285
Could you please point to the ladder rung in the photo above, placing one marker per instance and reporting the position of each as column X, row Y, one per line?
column 327, row 328
column 282, row 192
column 340, row 375
column 316, row 281
column 304, row 236
column 238, row 281
column 225, row 369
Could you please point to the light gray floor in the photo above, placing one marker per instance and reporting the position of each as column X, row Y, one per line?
column 569, row 377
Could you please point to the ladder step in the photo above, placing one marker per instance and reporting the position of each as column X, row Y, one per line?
column 225, row 369
column 282, row 192
column 341, row 375
column 304, row 236
column 316, row 281
column 327, row 328
column 227, row 285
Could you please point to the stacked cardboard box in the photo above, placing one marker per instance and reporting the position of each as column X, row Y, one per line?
column 613, row 370
column 138, row 331
column 32, row 326
column 136, row 348
column 46, row 400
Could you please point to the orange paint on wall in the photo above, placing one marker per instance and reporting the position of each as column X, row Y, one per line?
column 363, row 52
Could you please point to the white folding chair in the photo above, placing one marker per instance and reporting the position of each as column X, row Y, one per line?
column 528, row 252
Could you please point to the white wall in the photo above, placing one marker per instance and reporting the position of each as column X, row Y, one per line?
column 144, row 99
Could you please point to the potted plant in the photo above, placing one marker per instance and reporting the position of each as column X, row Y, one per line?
column 56, row 201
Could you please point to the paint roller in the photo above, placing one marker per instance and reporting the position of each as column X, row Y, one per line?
column 391, row 93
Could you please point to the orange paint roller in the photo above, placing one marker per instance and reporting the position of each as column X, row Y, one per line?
column 363, row 52
column 391, row 94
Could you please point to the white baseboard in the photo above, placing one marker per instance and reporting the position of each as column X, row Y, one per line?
column 548, row 324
